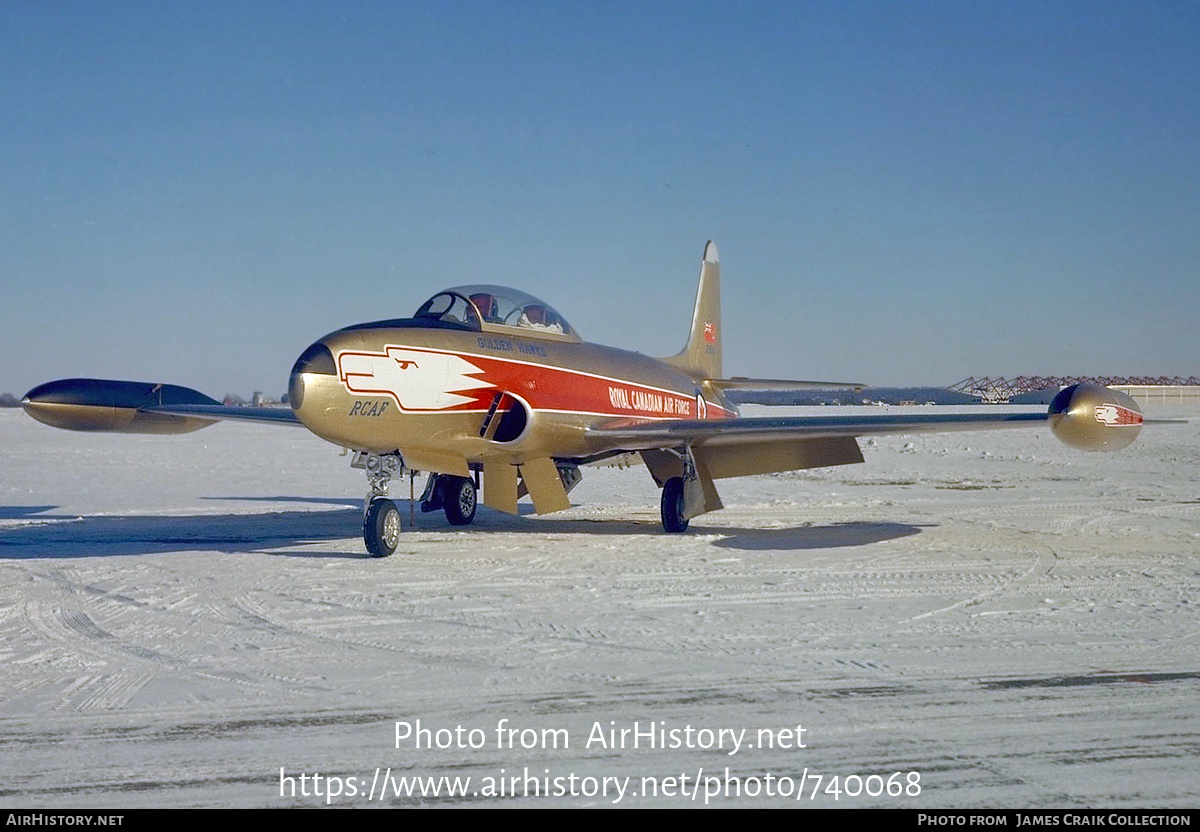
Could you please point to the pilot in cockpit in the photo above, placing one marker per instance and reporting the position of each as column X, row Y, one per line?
column 534, row 316
column 487, row 306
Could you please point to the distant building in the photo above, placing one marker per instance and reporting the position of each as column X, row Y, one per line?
column 1036, row 389
column 1188, row 394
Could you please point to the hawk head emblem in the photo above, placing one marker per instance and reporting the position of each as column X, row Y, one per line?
column 416, row 379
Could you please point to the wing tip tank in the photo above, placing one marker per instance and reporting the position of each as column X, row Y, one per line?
column 91, row 404
column 1091, row 417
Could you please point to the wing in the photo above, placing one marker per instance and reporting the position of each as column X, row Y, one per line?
column 719, row 432
column 93, row 404
column 220, row 412
column 741, row 447
column 1084, row 416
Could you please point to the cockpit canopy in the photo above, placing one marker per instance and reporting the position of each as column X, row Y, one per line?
column 496, row 309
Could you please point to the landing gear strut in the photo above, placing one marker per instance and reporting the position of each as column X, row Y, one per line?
column 381, row 518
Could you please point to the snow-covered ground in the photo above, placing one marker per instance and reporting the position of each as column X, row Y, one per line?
column 973, row 620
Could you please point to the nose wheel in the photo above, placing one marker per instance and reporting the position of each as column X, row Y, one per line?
column 381, row 518
column 381, row 527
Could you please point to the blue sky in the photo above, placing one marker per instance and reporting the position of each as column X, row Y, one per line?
column 902, row 193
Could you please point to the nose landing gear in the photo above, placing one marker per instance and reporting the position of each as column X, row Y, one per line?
column 381, row 518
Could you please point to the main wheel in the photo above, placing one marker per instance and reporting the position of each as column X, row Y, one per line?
column 672, row 506
column 458, row 500
column 381, row 528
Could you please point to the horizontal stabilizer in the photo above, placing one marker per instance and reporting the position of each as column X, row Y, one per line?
column 744, row 383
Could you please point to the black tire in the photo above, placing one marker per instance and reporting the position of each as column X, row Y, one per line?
column 673, row 520
column 459, row 500
column 381, row 528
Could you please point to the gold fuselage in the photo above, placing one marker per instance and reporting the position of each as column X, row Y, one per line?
column 446, row 398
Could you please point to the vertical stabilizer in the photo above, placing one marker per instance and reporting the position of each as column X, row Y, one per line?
column 701, row 357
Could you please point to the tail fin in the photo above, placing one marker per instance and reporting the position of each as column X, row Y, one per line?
column 701, row 357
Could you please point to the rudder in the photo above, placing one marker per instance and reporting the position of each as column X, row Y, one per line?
column 701, row 357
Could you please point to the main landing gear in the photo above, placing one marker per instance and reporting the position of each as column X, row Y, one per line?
column 456, row 496
column 687, row 491
column 673, row 519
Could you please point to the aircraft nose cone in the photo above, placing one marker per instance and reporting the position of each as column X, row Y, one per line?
column 316, row 360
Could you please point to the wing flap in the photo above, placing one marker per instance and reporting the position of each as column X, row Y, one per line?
column 770, row 457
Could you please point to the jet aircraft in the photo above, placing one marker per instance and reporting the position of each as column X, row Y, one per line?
column 486, row 383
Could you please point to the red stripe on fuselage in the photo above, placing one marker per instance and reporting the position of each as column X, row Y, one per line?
column 543, row 387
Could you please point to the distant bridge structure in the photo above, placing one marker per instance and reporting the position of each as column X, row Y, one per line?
column 1160, row 388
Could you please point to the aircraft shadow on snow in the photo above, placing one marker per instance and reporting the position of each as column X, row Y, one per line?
column 72, row 536
column 836, row 535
